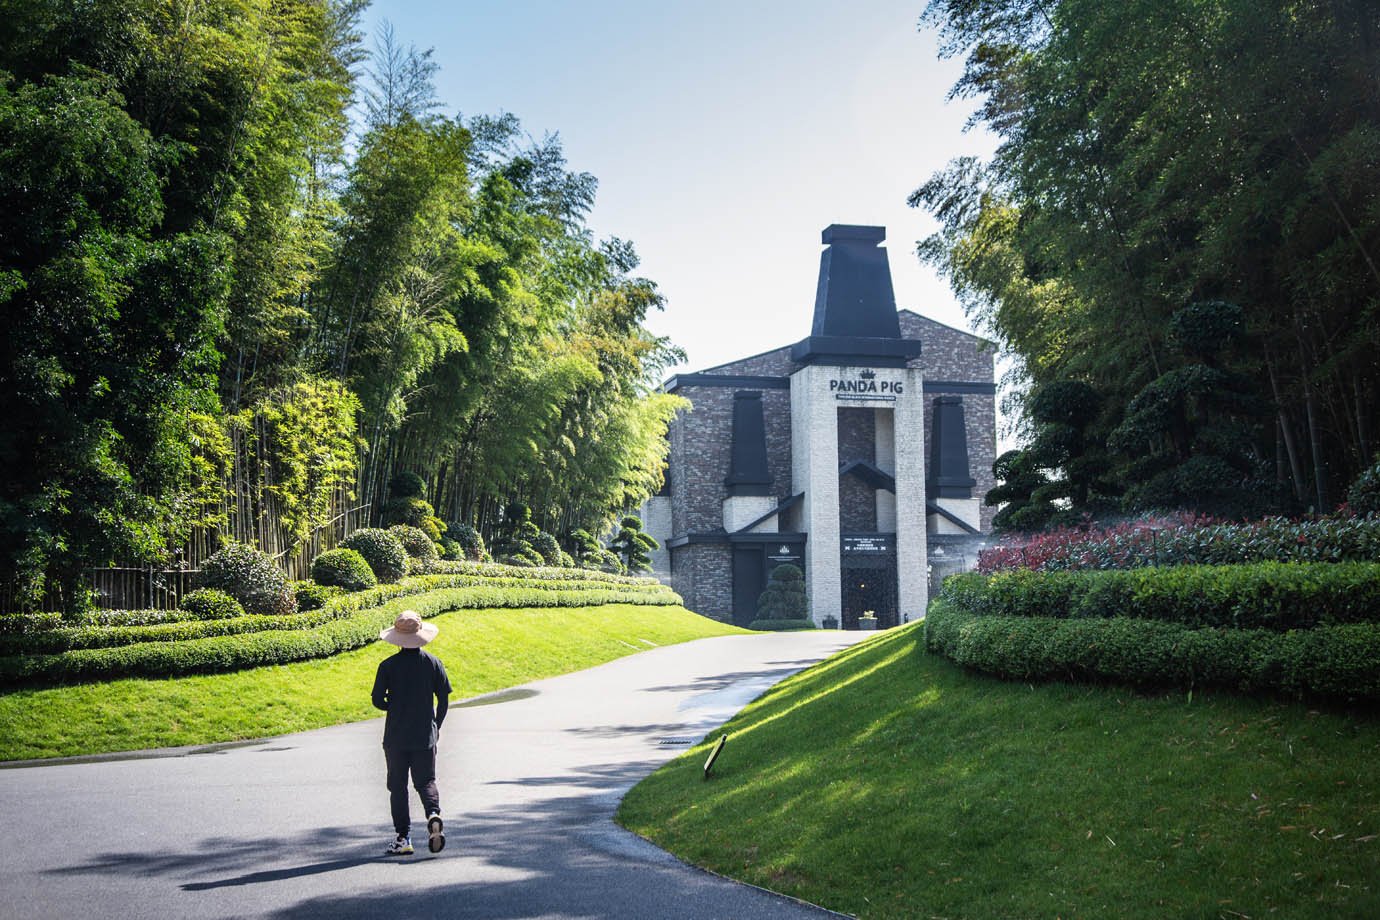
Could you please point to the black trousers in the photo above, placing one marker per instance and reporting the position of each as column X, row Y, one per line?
column 421, row 763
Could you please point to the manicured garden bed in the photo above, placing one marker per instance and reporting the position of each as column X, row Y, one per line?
column 889, row 782
column 484, row 650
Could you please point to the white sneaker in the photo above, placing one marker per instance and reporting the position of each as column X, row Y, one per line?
column 436, row 839
column 402, row 846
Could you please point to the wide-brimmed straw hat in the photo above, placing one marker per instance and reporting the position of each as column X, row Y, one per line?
column 409, row 631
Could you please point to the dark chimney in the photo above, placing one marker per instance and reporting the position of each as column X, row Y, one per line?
column 948, row 474
column 747, row 470
column 855, row 307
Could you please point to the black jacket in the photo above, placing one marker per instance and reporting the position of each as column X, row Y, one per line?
column 404, row 687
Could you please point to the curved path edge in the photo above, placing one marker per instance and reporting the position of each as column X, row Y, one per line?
column 294, row 826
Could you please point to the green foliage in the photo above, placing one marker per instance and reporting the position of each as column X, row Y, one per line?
column 1189, row 541
column 1326, row 662
column 1278, row 596
column 407, row 484
column 547, row 548
column 312, row 596
column 784, row 597
column 471, row 541
column 342, row 568
column 415, row 542
column 109, row 336
column 251, row 577
column 1364, row 495
column 211, row 604
column 631, row 545
column 416, row 513
column 223, row 317
column 382, row 550
column 1186, row 224
column 345, row 622
column 305, row 449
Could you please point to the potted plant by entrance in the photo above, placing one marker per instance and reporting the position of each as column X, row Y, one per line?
column 868, row 620
column 831, row 622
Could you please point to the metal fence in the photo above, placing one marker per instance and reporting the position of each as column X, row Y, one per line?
column 134, row 587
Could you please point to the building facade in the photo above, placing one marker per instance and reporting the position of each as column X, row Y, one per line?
column 859, row 453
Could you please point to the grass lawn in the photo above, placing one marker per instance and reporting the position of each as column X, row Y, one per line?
column 887, row 782
column 483, row 650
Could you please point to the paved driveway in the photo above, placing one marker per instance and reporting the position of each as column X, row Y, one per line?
column 294, row 826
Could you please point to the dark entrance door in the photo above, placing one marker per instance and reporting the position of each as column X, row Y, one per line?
column 869, row 584
column 749, row 580
column 869, row 578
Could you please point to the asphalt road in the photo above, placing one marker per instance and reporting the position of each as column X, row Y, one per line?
column 295, row 826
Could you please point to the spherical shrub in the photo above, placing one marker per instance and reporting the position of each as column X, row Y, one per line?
column 451, row 550
column 406, row 484
column 250, row 577
column 343, row 568
column 211, row 604
column 415, row 541
column 381, row 549
column 311, row 596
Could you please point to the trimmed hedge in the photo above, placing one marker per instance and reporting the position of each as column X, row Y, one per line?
column 342, row 568
column 311, row 596
column 1188, row 540
column 781, row 625
column 1268, row 595
column 161, row 650
column 1334, row 662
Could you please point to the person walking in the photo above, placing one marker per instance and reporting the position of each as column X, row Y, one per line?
column 404, row 688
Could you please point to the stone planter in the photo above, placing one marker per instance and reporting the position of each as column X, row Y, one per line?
column 866, row 623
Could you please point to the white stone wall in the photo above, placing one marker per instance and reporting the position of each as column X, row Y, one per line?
column 742, row 510
column 815, row 471
column 815, row 401
column 656, row 523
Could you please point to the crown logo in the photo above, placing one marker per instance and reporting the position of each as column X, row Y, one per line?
column 867, row 375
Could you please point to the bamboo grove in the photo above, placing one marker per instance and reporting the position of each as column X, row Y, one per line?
column 1177, row 241
column 245, row 263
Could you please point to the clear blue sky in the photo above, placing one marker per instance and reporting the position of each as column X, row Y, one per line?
column 725, row 136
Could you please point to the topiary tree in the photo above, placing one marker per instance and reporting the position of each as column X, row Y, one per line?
column 546, row 546
column 382, row 550
column 250, row 577
column 211, row 604
column 631, row 545
column 414, row 512
column 471, row 541
column 1363, row 497
column 517, row 540
column 343, row 568
column 584, row 549
column 784, row 598
column 417, row 544
column 407, row 484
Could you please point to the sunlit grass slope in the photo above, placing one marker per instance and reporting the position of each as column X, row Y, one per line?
column 483, row 650
column 887, row 782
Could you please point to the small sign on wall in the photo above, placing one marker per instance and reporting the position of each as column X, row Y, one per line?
column 870, row 543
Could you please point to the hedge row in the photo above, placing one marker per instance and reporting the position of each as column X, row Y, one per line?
column 498, row 570
column 787, row 625
column 1334, row 662
column 1190, row 541
column 494, row 592
column 1268, row 595
column 277, row 646
column 24, row 624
